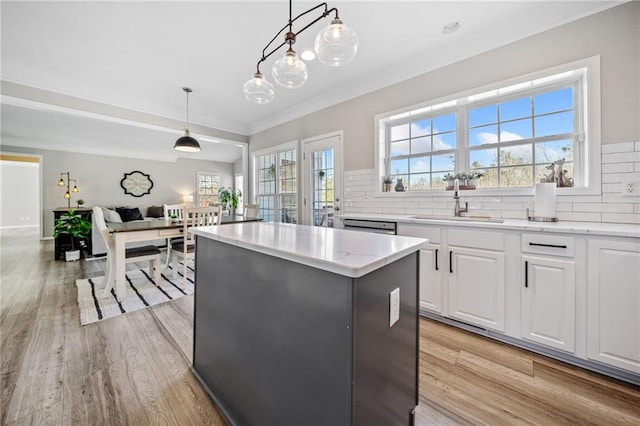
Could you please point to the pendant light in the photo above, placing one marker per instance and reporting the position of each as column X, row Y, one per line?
column 336, row 45
column 187, row 143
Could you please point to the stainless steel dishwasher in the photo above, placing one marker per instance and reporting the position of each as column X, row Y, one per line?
column 375, row 226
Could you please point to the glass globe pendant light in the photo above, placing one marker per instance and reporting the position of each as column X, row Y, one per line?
column 187, row 143
column 290, row 71
column 336, row 45
column 258, row 90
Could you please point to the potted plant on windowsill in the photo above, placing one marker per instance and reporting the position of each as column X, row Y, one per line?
column 229, row 199
column 77, row 228
column 387, row 180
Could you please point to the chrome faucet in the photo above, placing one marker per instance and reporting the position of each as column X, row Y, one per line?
column 457, row 210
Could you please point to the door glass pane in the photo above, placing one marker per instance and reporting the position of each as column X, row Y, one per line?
column 322, row 188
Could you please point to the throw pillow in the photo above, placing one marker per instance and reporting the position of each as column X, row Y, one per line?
column 110, row 215
column 155, row 211
column 128, row 215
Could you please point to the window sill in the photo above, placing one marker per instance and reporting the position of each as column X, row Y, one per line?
column 578, row 192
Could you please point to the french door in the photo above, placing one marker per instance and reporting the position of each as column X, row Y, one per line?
column 322, row 171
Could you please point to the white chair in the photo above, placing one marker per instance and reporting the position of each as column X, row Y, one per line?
column 185, row 248
column 137, row 254
column 169, row 210
column 250, row 210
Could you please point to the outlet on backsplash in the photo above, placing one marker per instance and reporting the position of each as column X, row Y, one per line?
column 630, row 188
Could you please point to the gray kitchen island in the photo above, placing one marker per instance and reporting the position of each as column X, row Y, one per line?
column 300, row 325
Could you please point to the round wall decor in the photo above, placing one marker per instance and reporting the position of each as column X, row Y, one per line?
column 136, row 183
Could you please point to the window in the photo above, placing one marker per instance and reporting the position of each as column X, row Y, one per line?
column 276, row 184
column 422, row 151
column 208, row 185
column 239, row 185
column 513, row 141
column 510, row 135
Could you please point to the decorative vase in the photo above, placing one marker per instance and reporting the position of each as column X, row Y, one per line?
column 399, row 186
column 387, row 187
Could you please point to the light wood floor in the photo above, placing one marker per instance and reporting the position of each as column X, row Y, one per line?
column 134, row 369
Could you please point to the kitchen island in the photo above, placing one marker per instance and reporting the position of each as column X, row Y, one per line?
column 300, row 325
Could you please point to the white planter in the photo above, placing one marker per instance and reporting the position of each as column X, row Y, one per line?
column 72, row 255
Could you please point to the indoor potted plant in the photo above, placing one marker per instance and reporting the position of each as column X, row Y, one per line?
column 80, row 203
column 387, row 180
column 77, row 228
column 229, row 199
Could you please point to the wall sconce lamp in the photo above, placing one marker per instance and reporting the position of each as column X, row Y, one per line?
column 74, row 190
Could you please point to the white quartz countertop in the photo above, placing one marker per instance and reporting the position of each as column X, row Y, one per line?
column 590, row 228
column 352, row 254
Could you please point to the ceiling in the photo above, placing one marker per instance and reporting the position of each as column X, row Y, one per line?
column 138, row 55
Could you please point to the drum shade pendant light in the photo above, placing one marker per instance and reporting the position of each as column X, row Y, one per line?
column 187, row 143
column 336, row 45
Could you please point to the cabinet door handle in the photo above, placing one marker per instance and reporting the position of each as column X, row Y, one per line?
column 451, row 261
column 526, row 274
column 437, row 259
column 548, row 245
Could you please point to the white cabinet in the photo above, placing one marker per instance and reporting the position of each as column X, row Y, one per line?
column 613, row 302
column 477, row 287
column 476, row 272
column 549, row 302
column 549, row 290
column 431, row 265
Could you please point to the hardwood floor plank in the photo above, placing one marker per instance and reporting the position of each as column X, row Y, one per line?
column 183, row 390
column 49, row 416
column 156, row 342
column 176, row 318
column 622, row 408
column 501, row 353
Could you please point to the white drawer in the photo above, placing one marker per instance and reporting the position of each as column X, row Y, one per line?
column 475, row 239
column 553, row 245
column 420, row 231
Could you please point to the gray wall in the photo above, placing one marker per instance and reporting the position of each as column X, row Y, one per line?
column 99, row 180
column 614, row 34
column 19, row 194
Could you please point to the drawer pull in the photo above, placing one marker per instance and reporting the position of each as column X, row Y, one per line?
column 436, row 259
column 451, row 261
column 526, row 274
column 548, row 245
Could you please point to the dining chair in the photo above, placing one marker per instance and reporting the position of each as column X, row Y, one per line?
column 250, row 210
column 169, row 210
column 135, row 254
column 185, row 247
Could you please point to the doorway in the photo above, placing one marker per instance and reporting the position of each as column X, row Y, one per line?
column 20, row 191
column 322, row 171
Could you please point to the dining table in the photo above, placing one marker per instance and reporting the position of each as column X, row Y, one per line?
column 148, row 230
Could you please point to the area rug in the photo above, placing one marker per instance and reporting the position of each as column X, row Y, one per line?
column 141, row 293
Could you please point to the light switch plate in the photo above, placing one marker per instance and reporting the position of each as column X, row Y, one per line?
column 394, row 306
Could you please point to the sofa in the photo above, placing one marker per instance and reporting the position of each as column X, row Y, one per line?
column 125, row 214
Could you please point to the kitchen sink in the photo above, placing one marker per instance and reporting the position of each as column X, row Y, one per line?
column 460, row 218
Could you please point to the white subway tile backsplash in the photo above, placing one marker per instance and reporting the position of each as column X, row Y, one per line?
column 621, row 218
column 612, row 188
column 619, row 161
column 608, row 207
column 618, row 177
column 617, row 147
column 618, row 168
column 580, row 217
column 621, row 157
